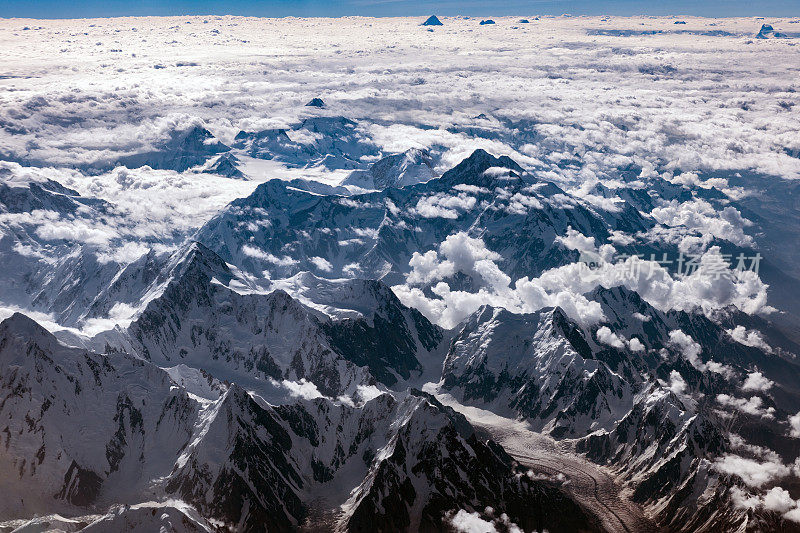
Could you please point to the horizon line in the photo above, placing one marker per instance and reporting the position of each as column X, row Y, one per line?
column 462, row 17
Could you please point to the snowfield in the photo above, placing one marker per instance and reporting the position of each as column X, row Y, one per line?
column 368, row 274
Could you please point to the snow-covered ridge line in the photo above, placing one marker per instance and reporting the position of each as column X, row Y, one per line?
column 149, row 439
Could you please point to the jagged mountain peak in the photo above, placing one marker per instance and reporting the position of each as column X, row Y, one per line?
column 26, row 328
column 413, row 166
column 494, row 330
column 316, row 102
column 196, row 263
column 482, row 168
column 338, row 296
column 329, row 141
column 196, row 250
column 281, row 302
column 621, row 301
column 225, row 165
column 357, row 298
column 431, row 456
column 328, row 124
column 624, row 308
column 21, row 192
column 148, row 277
column 282, row 229
column 269, row 133
column 366, row 322
column 767, row 31
column 481, row 159
column 267, row 144
column 184, row 148
column 657, row 397
column 616, row 292
column 183, row 274
column 277, row 192
column 537, row 365
column 551, row 315
column 433, row 20
column 195, row 138
column 236, row 397
column 488, row 312
column 197, row 258
column 23, row 341
column 15, row 175
column 545, row 323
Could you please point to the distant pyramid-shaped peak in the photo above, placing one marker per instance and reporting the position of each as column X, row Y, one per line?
column 767, row 31
column 433, row 20
column 316, row 102
column 483, row 169
column 225, row 165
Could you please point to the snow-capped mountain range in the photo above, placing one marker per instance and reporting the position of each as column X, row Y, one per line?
column 361, row 332
column 272, row 303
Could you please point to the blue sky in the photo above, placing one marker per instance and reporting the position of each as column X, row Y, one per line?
column 332, row 8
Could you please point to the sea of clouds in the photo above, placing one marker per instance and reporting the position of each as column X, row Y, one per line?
column 572, row 99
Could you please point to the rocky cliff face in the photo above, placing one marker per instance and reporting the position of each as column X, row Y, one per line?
column 531, row 366
column 82, row 430
column 238, row 462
